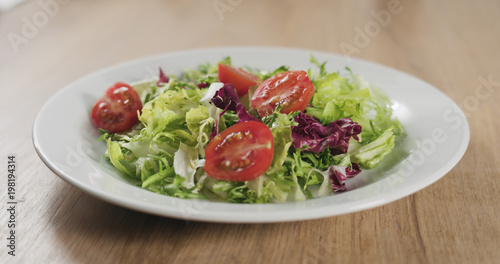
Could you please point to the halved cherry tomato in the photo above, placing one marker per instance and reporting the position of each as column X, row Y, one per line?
column 242, row 152
column 240, row 79
column 117, row 110
column 291, row 89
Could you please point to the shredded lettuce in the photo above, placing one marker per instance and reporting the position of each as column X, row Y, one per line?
column 348, row 125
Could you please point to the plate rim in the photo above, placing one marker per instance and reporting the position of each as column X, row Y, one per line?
column 102, row 195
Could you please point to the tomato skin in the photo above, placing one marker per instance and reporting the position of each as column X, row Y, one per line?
column 240, row 79
column 291, row 89
column 116, row 111
column 242, row 152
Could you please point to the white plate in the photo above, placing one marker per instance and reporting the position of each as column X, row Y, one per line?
column 437, row 137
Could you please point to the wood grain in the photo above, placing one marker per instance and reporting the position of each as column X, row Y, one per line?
column 452, row 45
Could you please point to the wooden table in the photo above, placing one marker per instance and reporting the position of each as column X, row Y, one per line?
column 453, row 45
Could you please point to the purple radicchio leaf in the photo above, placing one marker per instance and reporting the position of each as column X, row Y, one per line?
column 162, row 79
column 338, row 174
column 203, row 85
column 226, row 98
column 335, row 136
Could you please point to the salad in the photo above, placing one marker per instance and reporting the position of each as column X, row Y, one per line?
column 225, row 133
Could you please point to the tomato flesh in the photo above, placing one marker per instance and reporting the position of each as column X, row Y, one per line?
column 117, row 110
column 242, row 152
column 240, row 79
column 292, row 90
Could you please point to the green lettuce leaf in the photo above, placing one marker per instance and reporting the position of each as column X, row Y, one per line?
column 179, row 102
column 370, row 155
column 117, row 158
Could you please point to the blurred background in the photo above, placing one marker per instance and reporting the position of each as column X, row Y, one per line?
column 66, row 39
column 418, row 36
